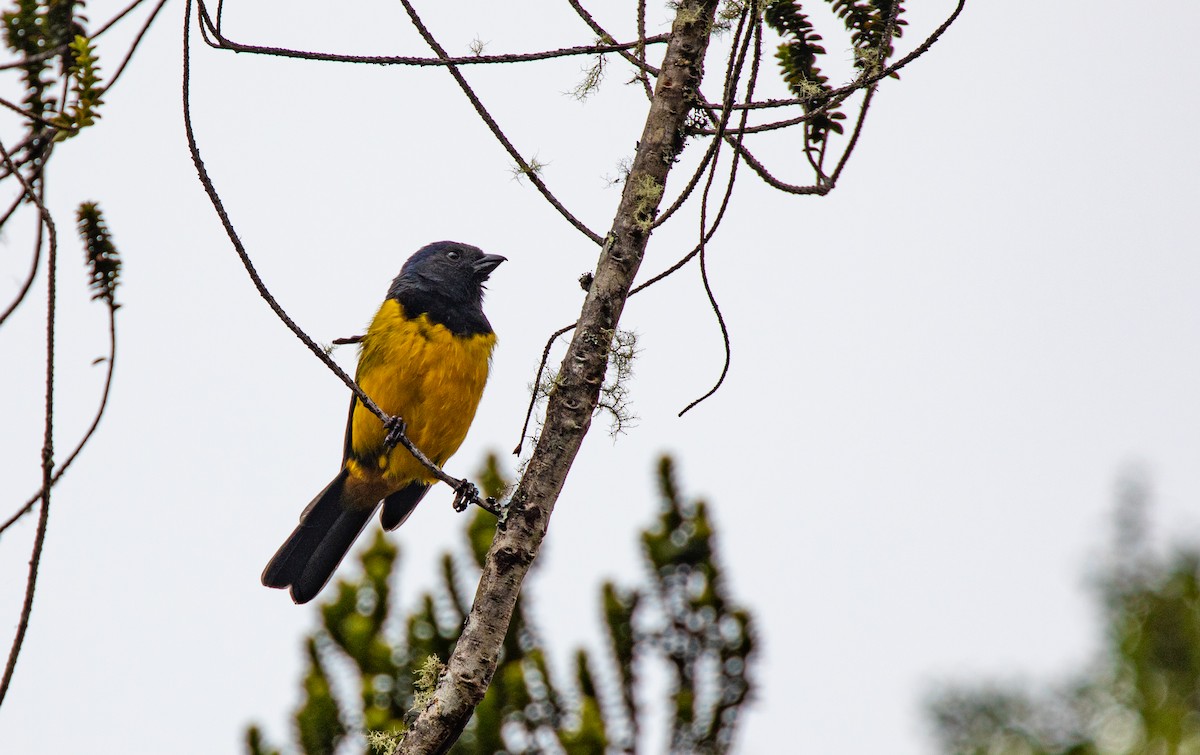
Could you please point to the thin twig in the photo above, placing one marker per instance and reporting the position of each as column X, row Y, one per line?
column 26, row 113
column 537, row 380
column 638, row 63
column 487, row 118
column 640, row 50
column 61, row 469
column 733, row 74
column 117, row 18
column 220, row 42
column 27, row 284
column 134, row 45
column 693, row 181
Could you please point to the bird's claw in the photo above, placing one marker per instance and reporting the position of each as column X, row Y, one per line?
column 396, row 427
column 466, row 494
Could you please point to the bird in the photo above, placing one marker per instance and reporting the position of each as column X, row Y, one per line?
column 425, row 359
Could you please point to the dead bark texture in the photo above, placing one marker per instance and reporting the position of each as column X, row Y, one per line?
column 573, row 401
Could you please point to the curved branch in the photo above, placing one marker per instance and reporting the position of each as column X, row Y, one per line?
column 61, row 469
column 638, row 61
column 835, row 97
column 395, row 435
column 27, row 284
column 487, row 118
column 221, row 42
column 137, row 40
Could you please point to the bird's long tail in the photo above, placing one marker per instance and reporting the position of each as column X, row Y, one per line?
column 327, row 529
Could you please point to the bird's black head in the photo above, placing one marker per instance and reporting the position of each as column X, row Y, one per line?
column 445, row 280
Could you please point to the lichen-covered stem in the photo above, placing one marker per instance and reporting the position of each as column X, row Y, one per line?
column 577, row 389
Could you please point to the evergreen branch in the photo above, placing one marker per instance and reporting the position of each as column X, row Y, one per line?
column 85, row 84
column 798, row 56
column 104, row 263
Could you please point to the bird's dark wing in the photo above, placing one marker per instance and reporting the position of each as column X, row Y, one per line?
column 398, row 505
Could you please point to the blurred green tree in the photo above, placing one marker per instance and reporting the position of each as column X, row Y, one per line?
column 1141, row 696
column 681, row 615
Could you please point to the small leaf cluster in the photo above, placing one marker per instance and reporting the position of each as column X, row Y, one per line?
column 35, row 31
column 800, row 52
column 103, row 260
column 85, row 84
column 798, row 57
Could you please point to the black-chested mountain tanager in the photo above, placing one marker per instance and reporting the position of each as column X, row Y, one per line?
column 425, row 359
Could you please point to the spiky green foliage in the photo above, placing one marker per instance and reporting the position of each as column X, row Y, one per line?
column 103, row 260
column 682, row 615
column 1142, row 696
column 703, row 630
column 86, row 88
column 255, row 744
column 32, row 28
column 798, row 56
column 319, row 726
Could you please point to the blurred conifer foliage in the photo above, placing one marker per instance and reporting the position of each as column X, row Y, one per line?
column 681, row 616
column 1142, row 695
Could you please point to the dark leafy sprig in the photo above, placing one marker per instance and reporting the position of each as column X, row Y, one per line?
column 867, row 23
column 798, row 56
column 103, row 260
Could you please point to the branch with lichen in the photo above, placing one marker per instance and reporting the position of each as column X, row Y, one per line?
column 577, row 393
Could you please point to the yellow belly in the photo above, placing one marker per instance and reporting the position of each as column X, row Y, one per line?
column 422, row 372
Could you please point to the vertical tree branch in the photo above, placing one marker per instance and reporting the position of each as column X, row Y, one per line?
column 39, row 538
column 573, row 401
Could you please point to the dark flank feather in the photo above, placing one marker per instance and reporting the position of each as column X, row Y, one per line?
column 326, row 531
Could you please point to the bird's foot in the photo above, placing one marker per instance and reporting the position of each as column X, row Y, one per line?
column 396, row 427
column 466, row 494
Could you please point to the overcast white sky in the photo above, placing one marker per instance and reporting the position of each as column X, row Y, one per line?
column 939, row 370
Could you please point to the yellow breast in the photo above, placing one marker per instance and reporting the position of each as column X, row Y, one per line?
column 421, row 371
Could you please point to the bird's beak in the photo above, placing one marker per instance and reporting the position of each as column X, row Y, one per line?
column 486, row 264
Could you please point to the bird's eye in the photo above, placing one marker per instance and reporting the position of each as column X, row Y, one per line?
column 453, row 255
